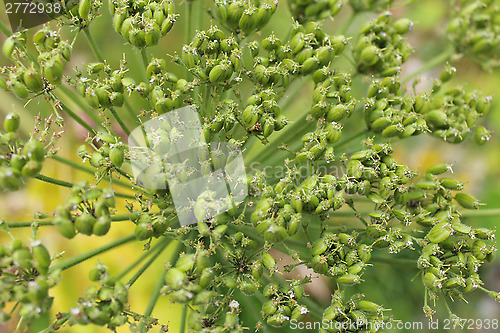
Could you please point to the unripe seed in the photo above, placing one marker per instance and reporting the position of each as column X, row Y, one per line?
column 11, row 122
column 370, row 55
column 19, row 89
column 33, row 80
column 440, row 232
column 84, row 7
column 85, row 223
column 467, row 201
column 117, row 155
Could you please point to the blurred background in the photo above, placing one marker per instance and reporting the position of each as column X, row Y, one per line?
column 477, row 166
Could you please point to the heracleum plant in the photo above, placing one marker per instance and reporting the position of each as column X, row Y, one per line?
column 335, row 160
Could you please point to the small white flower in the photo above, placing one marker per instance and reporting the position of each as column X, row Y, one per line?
column 234, row 304
column 303, row 310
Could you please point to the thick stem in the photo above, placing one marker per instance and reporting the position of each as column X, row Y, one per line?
column 26, row 224
column 68, row 263
column 93, row 44
column 120, row 121
column 153, row 300
column 54, row 181
column 183, row 319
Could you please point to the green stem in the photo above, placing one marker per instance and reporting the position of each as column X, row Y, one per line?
column 54, row 181
column 153, row 300
column 81, row 104
column 152, row 259
column 93, row 44
column 73, row 115
column 481, row 213
column 138, row 260
column 68, row 263
column 92, row 172
column 439, row 59
column 395, row 261
column 26, row 224
column 144, row 57
column 4, row 29
column 119, row 120
column 183, row 318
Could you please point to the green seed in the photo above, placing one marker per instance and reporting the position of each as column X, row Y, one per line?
column 84, row 7
column 437, row 118
column 467, row 201
column 31, row 168
column 33, row 80
column 34, row 150
column 440, row 232
column 84, row 223
column 11, row 122
column 102, row 226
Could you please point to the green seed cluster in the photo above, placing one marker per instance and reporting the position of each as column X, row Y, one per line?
column 143, row 23
column 238, row 78
column 305, row 10
column 102, row 305
column 46, row 70
column 20, row 159
column 450, row 115
column 340, row 256
column 86, row 211
column 26, row 278
column 281, row 305
column 355, row 314
column 245, row 15
column 474, row 31
column 381, row 48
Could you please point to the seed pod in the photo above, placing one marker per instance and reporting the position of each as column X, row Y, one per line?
column 42, row 257
column 333, row 132
column 19, row 89
column 439, row 232
column 250, row 116
column 34, row 150
column 349, row 279
column 84, row 7
column 216, row 74
column 437, row 118
column 369, row 307
column 8, row 46
column 402, row 26
column 268, row 261
column 33, row 80
column 439, row 169
column 185, row 262
column 337, row 113
column 248, row 288
column 370, row 55
column 11, row 122
column 117, row 155
column 355, row 169
column 53, row 71
column 481, row 135
column 97, row 160
column 175, row 278
column 65, row 227
column 467, row 201
column 9, row 179
column 31, row 168
column 248, row 20
column 451, row 184
column 269, row 308
column 84, row 223
column 137, row 37
column 143, row 231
